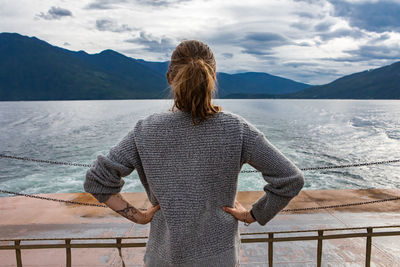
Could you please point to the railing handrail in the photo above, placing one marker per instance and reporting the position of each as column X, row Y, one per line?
column 244, row 233
column 270, row 240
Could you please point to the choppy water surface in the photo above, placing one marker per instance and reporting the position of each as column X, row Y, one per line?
column 309, row 132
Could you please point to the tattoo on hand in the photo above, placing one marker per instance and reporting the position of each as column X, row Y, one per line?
column 128, row 212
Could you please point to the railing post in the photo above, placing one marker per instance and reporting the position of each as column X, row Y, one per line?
column 270, row 250
column 68, row 251
column 319, row 248
column 18, row 252
column 120, row 251
column 369, row 243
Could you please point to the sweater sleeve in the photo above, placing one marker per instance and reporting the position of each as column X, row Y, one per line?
column 284, row 179
column 103, row 179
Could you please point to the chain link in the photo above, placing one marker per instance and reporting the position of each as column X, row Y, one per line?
column 244, row 171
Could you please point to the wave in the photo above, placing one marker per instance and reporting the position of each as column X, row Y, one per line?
column 361, row 122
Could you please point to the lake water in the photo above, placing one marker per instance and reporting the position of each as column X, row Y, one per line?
column 309, row 132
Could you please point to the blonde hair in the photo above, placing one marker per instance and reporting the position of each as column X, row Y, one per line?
column 192, row 76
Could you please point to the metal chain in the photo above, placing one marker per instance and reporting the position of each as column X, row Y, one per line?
column 46, row 161
column 343, row 205
column 53, row 199
column 57, row 200
column 244, row 171
column 344, row 166
column 285, row 210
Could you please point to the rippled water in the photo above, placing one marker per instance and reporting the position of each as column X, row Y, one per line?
column 309, row 132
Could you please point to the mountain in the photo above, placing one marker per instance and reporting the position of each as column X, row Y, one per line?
column 381, row 83
column 255, row 85
column 32, row 69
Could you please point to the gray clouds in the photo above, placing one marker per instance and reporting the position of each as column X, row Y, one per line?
column 304, row 14
column 261, row 43
column 55, row 13
column 160, row 3
column 341, row 32
column 323, row 26
column 152, row 44
column 374, row 16
column 227, row 55
column 104, row 4
column 371, row 52
column 366, row 52
column 111, row 25
column 113, row 4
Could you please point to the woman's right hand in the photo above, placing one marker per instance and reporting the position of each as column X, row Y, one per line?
column 239, row 212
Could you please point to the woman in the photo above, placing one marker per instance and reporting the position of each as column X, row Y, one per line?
column 188, row 160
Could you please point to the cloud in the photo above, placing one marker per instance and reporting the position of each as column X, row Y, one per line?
column 342, row 32
column 227, row 55
column 104, row 4
column 301, row 25
column 380, row 38
column 376, row 16
column 368, row 52
column 161, row 3
column 261, row 43
column 55, row 13
column 152, row 44
column 111, row 25
column 323, row 26
column 372, row 51
column 303, row 44
column 298, row 64
column 304, row 14
column 310, row 1
column 113, row 4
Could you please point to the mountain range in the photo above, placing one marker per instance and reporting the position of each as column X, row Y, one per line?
column 32, row 69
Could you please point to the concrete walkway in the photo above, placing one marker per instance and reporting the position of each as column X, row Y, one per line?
column 22, row 217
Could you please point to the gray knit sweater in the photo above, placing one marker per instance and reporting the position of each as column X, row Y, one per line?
column 192, row 171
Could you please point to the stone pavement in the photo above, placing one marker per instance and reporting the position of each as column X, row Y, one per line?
column 22, row 217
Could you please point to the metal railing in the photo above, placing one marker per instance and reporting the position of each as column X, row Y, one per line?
column 304, row 235
column 321, row 235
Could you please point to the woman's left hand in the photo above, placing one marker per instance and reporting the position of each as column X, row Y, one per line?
column 239, row 212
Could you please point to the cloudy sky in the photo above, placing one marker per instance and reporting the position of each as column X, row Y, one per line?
column 311, row 41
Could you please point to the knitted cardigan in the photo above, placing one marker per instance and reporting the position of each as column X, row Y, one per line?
column 192, row 172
